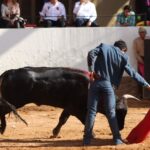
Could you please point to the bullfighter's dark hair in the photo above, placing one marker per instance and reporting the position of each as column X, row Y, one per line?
column 121, row 45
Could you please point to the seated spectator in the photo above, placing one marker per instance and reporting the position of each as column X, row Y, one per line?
column 126, row 18
column 10, row 15
column 85, row 13
column 53, row 14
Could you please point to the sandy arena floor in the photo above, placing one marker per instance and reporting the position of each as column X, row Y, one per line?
column 43, row 119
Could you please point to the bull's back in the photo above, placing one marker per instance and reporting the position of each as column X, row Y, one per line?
column 59, row 86
column 43, row 85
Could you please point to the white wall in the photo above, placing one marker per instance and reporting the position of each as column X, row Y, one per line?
column 54, row 47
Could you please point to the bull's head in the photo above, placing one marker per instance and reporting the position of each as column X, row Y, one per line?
column 121, row 109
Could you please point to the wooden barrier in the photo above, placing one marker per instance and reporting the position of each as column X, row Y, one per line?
column 146, row 93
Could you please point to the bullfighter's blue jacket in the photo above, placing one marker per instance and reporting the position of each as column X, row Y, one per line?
column 109, row 62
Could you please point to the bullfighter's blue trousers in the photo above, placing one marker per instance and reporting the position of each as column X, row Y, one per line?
column 101, row 90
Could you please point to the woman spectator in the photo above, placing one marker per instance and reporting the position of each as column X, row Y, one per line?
column 10, row 14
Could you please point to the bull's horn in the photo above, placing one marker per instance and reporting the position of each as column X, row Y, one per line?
column 12, row 107
column 126, row 96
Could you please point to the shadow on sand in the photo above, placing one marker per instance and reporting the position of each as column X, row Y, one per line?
column 34, row 143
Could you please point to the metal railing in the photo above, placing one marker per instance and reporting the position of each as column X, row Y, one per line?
column 102, row 20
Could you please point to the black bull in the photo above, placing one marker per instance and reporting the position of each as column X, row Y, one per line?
column 59, row 87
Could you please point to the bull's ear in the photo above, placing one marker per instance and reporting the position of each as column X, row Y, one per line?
column 128, row 96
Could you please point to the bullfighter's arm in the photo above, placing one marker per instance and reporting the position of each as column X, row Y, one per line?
column 136, row 76
column 92, row 55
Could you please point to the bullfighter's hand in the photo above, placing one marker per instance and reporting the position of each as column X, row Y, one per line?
column 91, row 76
column 94, row 76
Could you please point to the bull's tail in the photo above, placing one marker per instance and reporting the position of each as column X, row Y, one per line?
column 12, row 107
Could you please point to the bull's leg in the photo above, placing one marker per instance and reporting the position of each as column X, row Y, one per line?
column 3, row 124
column 62, row 120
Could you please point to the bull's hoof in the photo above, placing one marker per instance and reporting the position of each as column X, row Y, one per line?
column 2, row 130
column 54, row 136
column 55, row 132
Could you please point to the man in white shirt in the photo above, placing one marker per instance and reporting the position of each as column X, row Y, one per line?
column 85, row 13
column 53, row 14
